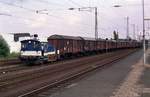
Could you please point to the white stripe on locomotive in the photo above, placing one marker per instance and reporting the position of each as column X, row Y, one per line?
column 49, row 53
column 30, row 53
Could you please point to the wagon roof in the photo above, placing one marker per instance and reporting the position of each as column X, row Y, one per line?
column 65, row 37
column 88, row 38
column 123, row 40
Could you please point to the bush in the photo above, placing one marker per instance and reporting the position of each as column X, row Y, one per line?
column 13, row 55
column 4, row 48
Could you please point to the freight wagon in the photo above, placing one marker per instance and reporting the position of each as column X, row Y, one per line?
column 61, row 46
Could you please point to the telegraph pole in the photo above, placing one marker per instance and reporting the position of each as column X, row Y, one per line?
column 134, row 36
column 144, row 49
column 127, row 28
column 137, row 30
column 96, row 24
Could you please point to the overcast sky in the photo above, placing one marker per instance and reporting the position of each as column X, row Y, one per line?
column 20, row 16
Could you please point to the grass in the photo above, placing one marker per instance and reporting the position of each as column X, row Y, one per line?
column 12, row 55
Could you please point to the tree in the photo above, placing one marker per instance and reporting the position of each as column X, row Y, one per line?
column 4, row 48
column 116, row 37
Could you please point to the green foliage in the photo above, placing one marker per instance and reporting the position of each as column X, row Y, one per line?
column 116, row 37
column 13, row 55
column 4, row 48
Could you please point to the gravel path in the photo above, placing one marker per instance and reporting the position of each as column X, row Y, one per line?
column 130, row 87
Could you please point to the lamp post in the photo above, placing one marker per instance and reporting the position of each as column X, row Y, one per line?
column 128, row 37
column 134, row 36
column 43, row 11
column 143, row 19
column 96, row 17
column 144, row 49
column 127, row 27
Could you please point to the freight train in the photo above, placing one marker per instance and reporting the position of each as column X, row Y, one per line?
column 60, row 47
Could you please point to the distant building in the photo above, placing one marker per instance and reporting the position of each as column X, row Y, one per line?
column 18, row 35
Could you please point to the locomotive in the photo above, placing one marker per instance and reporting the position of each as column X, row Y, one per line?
column 61, row 46
column 34, row 51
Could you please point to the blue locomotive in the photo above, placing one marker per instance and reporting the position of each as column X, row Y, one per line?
column 34, row 51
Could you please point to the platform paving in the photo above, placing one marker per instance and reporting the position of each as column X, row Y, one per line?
column 108, row 82
column 145, row 78
column 137, row 83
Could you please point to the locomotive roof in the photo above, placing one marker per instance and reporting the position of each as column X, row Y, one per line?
column 65, row 37
column 30, row 40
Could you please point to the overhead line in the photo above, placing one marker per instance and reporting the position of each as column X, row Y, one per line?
column 75, row 3
column 110, row 21
column 32, row 10
column 31, row 19
column 10, row 4
column 47, row 2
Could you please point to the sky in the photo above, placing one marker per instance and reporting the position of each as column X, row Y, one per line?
column 19, row 16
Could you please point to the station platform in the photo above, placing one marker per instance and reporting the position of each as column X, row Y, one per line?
column 125, row 78
column 145, row 78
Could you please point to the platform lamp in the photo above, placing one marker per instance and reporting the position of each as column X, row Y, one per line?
column 143, row 28
column 96, row 17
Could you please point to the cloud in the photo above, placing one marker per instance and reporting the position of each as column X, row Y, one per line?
column 73, row 20
column 37, row 21
column 14, row 1
column 4, row 9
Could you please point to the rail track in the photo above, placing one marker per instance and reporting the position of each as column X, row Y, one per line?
column 30, row 82
column 13, row 65
column 14, row 68
column 12, row 61
column 10, row 65
column 5, row 69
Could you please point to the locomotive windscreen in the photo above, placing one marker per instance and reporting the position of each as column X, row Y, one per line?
column 30, row 45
